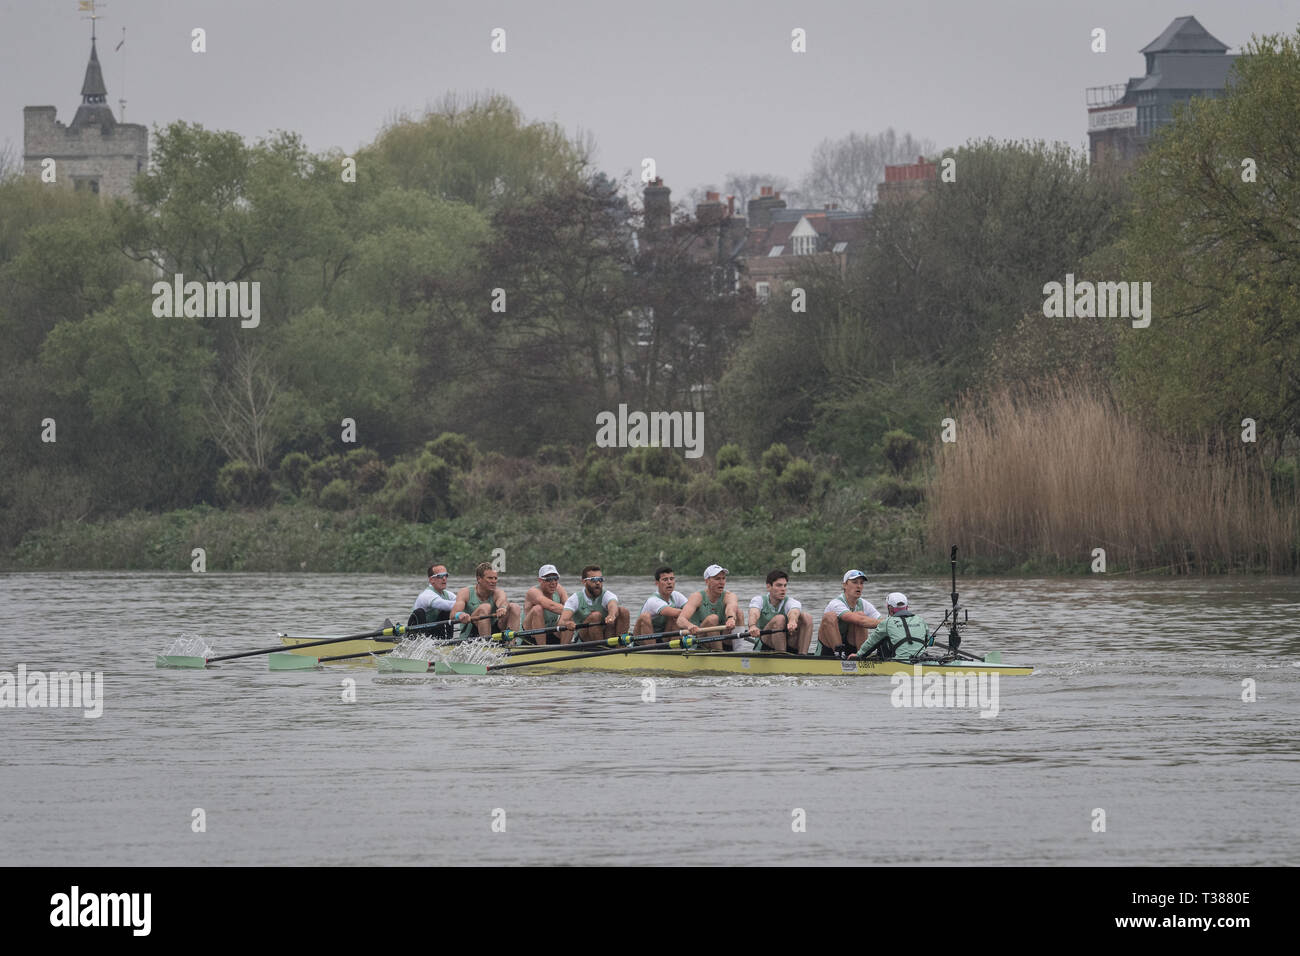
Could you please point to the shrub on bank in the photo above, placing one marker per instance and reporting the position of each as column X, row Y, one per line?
column 730, row 456
column 901, row 450
column 293, row 472
column 336, row 496
column 242, row 484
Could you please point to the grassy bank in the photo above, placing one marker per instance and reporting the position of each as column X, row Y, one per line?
column 305, row 538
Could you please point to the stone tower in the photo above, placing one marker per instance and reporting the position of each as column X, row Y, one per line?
column 96, row 152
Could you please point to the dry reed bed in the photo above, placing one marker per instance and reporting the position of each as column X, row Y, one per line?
column 1052, row 472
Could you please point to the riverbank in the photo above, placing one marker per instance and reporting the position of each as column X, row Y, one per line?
column 304, row 538
column 300, row 537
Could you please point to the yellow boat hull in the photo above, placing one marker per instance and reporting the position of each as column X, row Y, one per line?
column 689, row 663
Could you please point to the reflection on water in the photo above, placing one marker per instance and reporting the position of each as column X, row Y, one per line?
column 1136, row 707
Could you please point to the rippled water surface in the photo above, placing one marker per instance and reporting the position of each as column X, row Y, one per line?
column 1135, row 709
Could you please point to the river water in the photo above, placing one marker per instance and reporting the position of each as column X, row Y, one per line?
column 1135, row 710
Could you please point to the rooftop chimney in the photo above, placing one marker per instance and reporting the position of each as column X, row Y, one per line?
column 658, row 205
column 760, row 209
column 709, row 211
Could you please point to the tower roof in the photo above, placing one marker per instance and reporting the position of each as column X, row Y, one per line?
column 1185, row 35
column 92, row 90
column 94, row 108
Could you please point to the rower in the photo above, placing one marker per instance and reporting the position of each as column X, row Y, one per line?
column 778, row 612
column 847, row 619
column 479, row 607
column 660, row 611
column 594, row 605
column 713, row 606
column 434, row 602
column 901, row 637
column 543, row 606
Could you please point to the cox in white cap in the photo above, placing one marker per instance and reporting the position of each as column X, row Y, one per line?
column 850, row 575
column 547, row 570
column 713, row 570
column 895, row 599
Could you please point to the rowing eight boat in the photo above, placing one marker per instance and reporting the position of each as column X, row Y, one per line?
column 697, row 662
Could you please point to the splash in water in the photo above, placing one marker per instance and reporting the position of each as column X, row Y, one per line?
column 481, row 651
column 190, row 645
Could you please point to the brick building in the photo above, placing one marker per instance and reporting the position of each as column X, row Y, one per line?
column 904, row 183
column 761, row 248
column 95, row 152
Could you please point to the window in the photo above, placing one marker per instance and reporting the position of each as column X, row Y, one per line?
column 805, row 245
column 763, row 290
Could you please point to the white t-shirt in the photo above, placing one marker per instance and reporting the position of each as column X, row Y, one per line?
column 438, row 601
column 655, row 603
column 838, row 607
column 605, row 598
column 791, row 604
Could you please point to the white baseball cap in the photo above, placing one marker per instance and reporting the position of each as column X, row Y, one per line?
column 713, row 570
column 896, row 599
column 850, row 575
column 546, row 569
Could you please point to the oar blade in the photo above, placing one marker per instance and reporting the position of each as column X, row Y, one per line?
column 456, row 667
column 286, row 661
column 401, row 665
column 993, row 657
column 180, row 661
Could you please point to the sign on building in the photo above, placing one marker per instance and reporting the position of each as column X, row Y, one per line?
column 1118, row 117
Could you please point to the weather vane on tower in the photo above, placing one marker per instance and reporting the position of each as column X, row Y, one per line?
column 88, row 6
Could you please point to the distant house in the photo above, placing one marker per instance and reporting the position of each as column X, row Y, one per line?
column 1185, row 61
column 758, row 250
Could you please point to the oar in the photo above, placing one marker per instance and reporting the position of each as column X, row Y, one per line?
column 618, row 640
column 183, row 661
column 290, row 661
column 683, row 643
column 509, row 635
column 301, row 662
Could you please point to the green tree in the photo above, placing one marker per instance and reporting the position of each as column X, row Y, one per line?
column 128, row 394
column 1215, row 231
column 479, row 151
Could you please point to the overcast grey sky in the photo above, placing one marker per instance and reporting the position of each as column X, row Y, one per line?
column 705, row 87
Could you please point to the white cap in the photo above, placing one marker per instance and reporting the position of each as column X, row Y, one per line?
column 546, row 569
column 896, row 599
column 850, row 575
column 713, row 570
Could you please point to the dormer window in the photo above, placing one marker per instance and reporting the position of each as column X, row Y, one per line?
column 803, row 238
